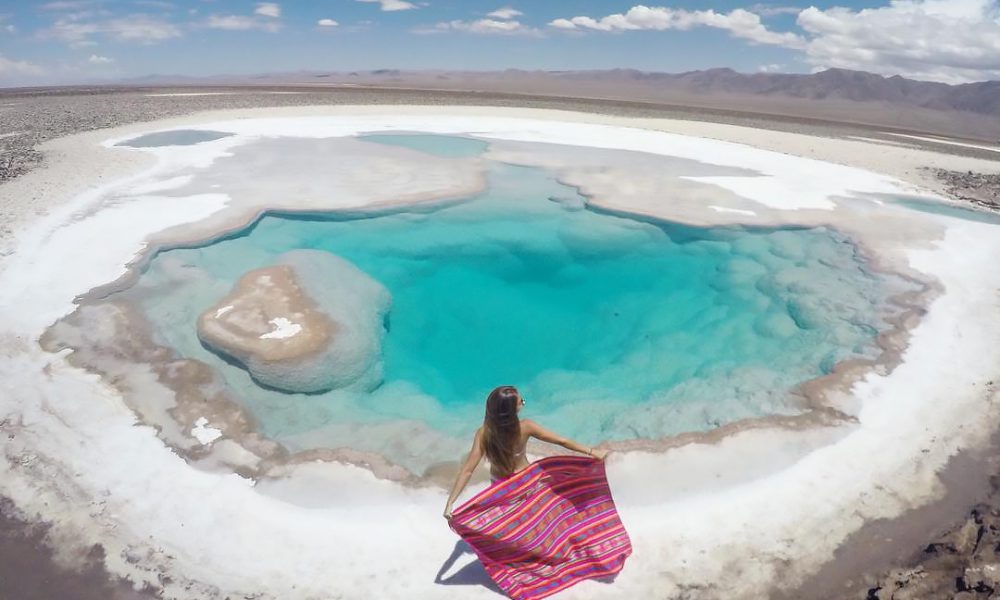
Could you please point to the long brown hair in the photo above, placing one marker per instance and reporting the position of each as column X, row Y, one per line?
column 502, row 428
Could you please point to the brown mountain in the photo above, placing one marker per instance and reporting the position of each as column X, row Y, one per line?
column 967, row 110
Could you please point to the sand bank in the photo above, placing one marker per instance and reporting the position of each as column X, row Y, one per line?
column 785, row 498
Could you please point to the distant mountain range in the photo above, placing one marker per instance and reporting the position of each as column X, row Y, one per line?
column 837, row 84
column 967, row 110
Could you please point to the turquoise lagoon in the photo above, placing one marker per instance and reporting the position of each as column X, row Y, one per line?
column 613, row 327
column 449, row 146
column 177, row 137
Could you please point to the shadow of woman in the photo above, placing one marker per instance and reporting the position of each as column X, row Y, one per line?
column 471, row 574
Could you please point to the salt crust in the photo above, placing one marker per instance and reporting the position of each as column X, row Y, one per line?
column 283, row 329
column 203, row 433
column 783, row 500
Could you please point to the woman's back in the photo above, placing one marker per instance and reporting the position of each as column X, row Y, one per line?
column 520, row 453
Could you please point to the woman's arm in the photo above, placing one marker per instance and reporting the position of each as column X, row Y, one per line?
column 462, row 478
column 535, row 430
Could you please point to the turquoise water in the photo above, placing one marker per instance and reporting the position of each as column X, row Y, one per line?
column 949, row 210
column 448, row 146
column 613, row 327
column 179, row 137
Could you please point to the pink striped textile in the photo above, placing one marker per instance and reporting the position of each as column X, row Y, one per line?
column 546, row 527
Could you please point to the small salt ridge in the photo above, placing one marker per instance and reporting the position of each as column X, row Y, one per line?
column 283, row 328
column 738, row 211
column 223, row 311
column 944, row 141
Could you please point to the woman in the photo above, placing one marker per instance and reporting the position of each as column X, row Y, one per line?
column 543, row 527
column 503, row 439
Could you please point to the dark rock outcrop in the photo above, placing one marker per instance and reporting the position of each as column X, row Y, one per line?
column 964, row 564
column 981, row 189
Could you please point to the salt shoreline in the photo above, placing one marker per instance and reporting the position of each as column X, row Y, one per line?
column 765, row 464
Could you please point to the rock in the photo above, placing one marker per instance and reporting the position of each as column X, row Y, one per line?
column 967, row 538
column 312, row 323
column 982, row 578
column 981, row 189
column 918, row 584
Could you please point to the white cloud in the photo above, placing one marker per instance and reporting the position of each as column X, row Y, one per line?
column 327, row 23
column 77, row 34
column 268, row 9
column 392, row 5
column 142, row 28
column 68, row 5
column 134, row 28
column 562, row 24
column 505, row 13
column 99, row 60
column 10, row 29
column 739, row 22
column 953, row 41
column 771, row 68
column 239, row 23
column 483, row 26
column 770, row 10
column 18, row 67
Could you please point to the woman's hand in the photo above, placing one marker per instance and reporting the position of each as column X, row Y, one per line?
column 447, row 512
column 599, row 453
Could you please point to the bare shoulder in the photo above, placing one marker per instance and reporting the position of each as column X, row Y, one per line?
column 535, row 430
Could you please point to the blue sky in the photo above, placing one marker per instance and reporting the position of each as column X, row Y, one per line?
column 85, row 40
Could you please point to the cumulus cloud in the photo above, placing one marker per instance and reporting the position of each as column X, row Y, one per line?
column 327, row 23
column 739, row 22
column 99, row 60
column 770, row 68
column 392, row 5
column 240, row 23
column 483, row 26
column 505, row 13
column 268, row 9
column 952, row 41
column 134, row 28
